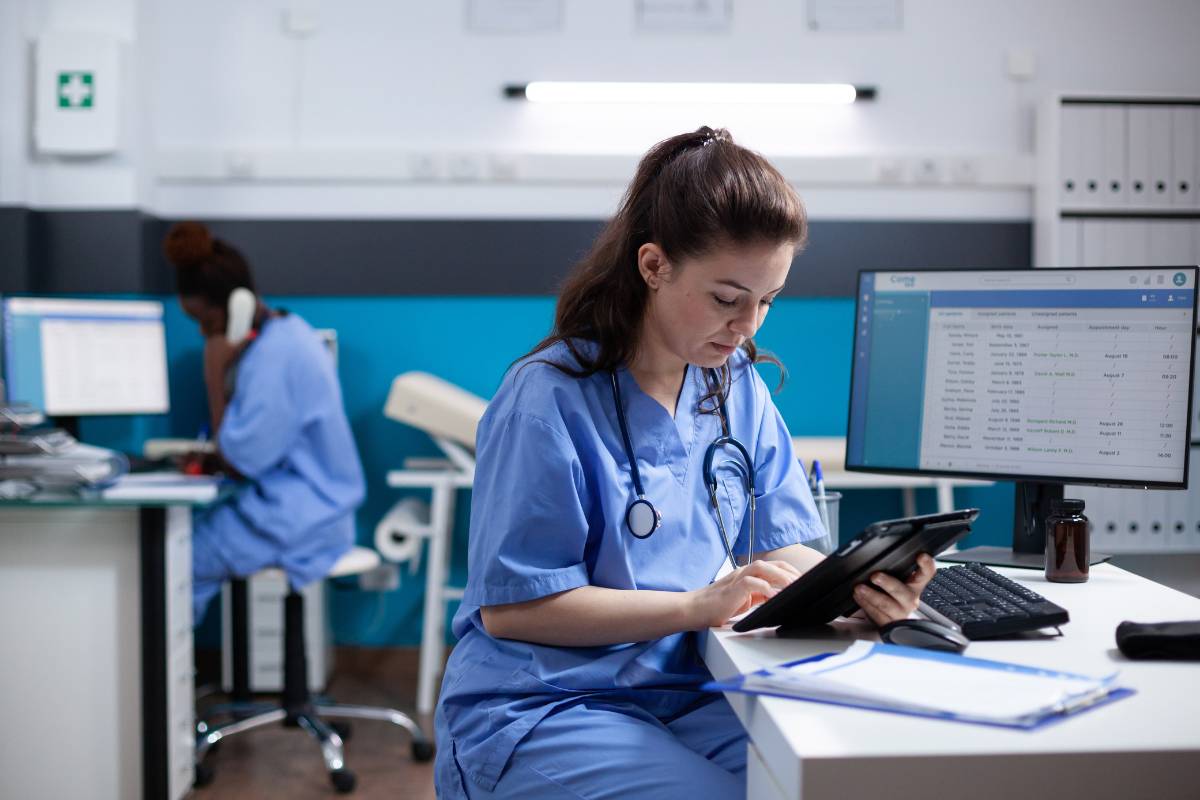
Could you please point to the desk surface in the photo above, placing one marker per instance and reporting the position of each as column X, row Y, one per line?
column 842, row 479
column 1162, row 717
column 154, row 496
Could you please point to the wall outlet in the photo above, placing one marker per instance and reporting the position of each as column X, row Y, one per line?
column 464, row 167
column 890, row 171
column 425, row 167
column 964, row 170
column 927, row 170
column 383, row 578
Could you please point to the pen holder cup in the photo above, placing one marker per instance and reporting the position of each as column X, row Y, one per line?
column 827, row 544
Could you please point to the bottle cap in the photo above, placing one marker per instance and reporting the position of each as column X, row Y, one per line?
column 1067, row 504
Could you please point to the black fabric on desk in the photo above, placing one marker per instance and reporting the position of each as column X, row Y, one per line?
column 1161, row 640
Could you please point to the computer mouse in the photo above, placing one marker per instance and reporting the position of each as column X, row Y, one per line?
column 924, row 633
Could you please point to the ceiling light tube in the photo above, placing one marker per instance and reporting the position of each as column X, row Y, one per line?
column 742, row 93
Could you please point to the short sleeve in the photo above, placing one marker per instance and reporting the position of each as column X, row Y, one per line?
column 786, row 513
column 262, row 420
column 529, row 525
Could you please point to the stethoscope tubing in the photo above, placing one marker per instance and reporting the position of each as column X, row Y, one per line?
column 642, row 519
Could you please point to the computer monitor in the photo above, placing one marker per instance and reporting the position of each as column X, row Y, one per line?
column 84, row 357
column 1043, row 377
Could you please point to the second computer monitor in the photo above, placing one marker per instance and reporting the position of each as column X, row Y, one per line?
column 1043, row 377
column 81, row 357
column 1059, row 376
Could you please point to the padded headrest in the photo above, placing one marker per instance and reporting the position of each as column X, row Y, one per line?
column 435, row 406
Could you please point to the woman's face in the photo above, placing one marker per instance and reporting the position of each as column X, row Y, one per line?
column 210, row 318
column 702, row 309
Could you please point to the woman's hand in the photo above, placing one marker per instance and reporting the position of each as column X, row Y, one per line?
column 888, row 599
column 738, row 591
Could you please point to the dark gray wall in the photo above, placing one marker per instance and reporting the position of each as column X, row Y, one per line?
column 119, row 252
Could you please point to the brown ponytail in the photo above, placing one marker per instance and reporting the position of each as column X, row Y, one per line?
column 691, row 193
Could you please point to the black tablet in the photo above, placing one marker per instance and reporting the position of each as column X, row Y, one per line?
column 825, row 592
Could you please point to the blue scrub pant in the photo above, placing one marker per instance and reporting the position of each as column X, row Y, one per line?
column 610, row 749
column 210, row 568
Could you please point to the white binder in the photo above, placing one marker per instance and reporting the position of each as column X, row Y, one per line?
column 1139, row 156
column 1093, row 243
column 1114, row 190
column 1091, row 132
column 1070, row 156
column 1171, row 242
column 1160, row 156
column 1131, row 517
column 1069, row 233
column 1129, row 243
column 1184, row 146
column 1157, row 515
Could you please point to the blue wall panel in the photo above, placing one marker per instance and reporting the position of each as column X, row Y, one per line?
column 470, row 341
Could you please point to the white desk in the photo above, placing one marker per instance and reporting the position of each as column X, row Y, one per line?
column 1145, row 746
column 96, row 674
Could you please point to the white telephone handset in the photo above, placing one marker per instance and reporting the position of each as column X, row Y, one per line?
column 242, row 305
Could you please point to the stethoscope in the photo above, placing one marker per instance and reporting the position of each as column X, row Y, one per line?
column 642, row 518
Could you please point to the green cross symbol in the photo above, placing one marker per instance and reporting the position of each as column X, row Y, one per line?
column 75, row 90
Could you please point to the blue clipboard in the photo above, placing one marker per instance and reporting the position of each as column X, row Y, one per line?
column 1045, row 717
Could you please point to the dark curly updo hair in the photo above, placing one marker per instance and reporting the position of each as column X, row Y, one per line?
column 205, row 266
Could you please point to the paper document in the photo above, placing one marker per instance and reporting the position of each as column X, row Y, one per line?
column 164, row 486
column 928, row 683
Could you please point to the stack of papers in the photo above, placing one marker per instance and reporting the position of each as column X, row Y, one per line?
column 907, row 680
column 65, row 465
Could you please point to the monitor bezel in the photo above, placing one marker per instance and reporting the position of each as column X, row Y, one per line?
column 1028, row 477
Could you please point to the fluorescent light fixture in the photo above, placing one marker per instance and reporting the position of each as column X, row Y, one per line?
column 742, row 93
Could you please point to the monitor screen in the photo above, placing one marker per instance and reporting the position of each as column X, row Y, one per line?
column 75, row 357
column 1075, row 376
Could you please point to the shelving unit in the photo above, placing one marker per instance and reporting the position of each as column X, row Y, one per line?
column 1119, row 185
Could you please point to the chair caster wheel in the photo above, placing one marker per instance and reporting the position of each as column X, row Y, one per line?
column 343, row 780
column 203, row 777
column 422, row 751
column 342, row 729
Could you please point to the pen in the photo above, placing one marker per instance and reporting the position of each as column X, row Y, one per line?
column 822, row 504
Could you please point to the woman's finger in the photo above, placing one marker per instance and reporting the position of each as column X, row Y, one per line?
column 880, row 606
column 758, row 587
column 902, row 593
column 772, row 572
column 926, row 569
column 786, row 566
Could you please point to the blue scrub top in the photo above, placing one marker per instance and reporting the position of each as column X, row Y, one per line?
column 552, row 485
column 286, row 431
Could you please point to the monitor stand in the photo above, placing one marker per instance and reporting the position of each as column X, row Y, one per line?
column 1032, row 506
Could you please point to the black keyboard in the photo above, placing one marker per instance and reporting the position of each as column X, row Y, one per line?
column 984, row 603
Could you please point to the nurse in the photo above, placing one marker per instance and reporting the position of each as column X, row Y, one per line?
column 577, row 670
column 276, row 415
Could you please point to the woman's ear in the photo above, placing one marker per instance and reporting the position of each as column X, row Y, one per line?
column 653, row 265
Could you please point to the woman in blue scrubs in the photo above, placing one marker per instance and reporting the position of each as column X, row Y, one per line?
column 276, row 415
column 577, row 670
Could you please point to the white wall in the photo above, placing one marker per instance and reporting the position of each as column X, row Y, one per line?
column 224, row 100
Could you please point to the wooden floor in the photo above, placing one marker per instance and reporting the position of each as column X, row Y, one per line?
column 274, row 761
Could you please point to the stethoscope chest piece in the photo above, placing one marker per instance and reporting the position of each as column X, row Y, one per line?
column 642, row 518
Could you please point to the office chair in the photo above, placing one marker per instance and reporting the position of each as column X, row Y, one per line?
column 297, row 708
